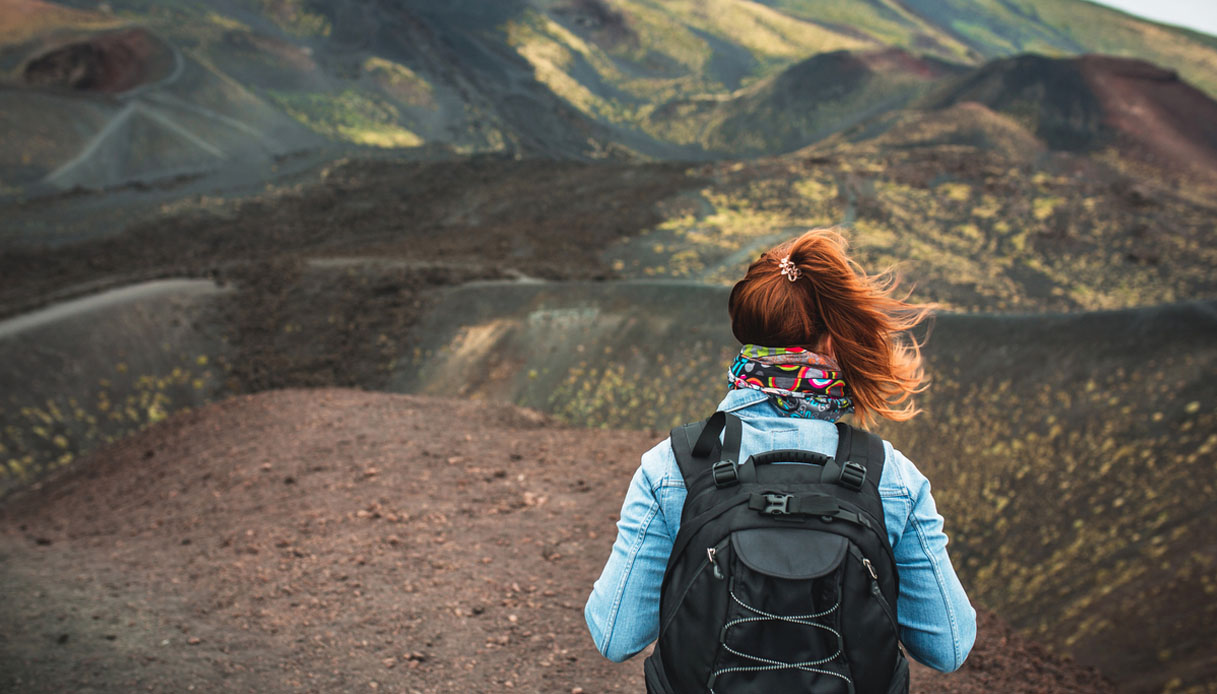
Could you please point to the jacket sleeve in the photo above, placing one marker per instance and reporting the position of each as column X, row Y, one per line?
column 622, row 612
column 937, row 622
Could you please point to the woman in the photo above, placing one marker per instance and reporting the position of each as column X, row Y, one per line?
column 803, row 302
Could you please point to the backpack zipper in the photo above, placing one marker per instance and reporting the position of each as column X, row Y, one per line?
column 712, row 554
column 712, row 560
column 878, row 593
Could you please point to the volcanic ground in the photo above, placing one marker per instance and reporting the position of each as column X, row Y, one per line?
column 343, row 541
column 213, row 214
column 559, row 283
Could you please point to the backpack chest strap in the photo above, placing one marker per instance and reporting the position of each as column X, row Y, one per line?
column 825, row 507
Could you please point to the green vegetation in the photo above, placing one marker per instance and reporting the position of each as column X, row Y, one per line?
column 767, row 34
column 356, row 116
column 295, row 17
column 971, row 30
column 1047, row 482
column 661, row 36
column 1056, row 445
column 685, row 102
column 996, row 235
column 553, row 51
column 607, row 392
column 42, row 437
column 227, row 23
column 891, row 24
column 700, row 74
column 626, row 87
column 400, row 81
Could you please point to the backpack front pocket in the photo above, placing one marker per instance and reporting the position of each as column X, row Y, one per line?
column 782, row 629
column 687, row 649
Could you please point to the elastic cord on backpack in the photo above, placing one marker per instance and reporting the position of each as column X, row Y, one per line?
column 768, row 664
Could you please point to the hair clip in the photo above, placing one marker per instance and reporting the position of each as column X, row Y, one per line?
column 789, row 269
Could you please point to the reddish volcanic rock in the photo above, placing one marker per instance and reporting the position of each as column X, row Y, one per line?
column 110, row 63
column 900, row 61
column 1097, row 103
column 1165, row 119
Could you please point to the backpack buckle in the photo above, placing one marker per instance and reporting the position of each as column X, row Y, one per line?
column 777, row 504
column 724, row 473
column 853, row 475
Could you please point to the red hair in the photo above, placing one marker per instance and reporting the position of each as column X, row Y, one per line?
column 833, row 297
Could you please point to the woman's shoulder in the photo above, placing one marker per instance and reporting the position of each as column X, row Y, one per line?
column 659, row 466
column 900, row 477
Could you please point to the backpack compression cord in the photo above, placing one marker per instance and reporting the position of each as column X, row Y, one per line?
column 781, row 578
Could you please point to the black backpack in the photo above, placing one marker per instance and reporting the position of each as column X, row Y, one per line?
column 781, row 579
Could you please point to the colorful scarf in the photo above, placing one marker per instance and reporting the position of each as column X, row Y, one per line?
column 799, row 382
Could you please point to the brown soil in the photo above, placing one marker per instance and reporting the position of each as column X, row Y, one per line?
column 899, row 61
column 337, row 540
column 110, row 63
column 1161, row 119
column 1099, row 104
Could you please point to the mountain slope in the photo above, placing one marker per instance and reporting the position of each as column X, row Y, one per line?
column 802, row 104
column 1093, row 103
column 249, row 83
column 688, row 74
column 976, row 30
column 1071, row 454
column 245, row 82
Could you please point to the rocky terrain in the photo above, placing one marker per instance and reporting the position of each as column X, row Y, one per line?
column 344, row 281
column 344, row 541
column 229, row 229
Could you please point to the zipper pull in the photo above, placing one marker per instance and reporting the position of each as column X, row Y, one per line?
column 712, row 554
column 870, row 568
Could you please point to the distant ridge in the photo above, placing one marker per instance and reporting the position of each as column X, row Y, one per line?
column 808, row 101
column 570, row 79
column 1092, row 102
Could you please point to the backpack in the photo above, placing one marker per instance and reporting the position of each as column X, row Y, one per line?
column 781, row 579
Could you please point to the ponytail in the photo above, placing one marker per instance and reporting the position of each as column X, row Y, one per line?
column 830, row 297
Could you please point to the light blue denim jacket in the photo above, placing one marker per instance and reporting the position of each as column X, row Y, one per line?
column 937, row 623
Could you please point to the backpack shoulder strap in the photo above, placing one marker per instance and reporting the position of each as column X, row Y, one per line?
column 697, row 448
column 858, row 446
column 858, row 465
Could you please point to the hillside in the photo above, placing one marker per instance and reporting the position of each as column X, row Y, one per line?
column 1096, row 103
column 1079, row 408
column 803, row 104
column 337, row 540
column 153, row 92
column 230, row 228
column 321, row 283
column 1058, row 445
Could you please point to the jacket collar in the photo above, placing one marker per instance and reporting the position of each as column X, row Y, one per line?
column 740, row 398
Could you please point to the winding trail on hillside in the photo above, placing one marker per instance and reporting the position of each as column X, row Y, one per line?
column 155, row 102
column 111, row 127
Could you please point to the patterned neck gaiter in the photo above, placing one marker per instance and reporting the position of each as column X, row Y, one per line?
column 799, row 382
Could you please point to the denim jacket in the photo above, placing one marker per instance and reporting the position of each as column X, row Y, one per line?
column 937, row 623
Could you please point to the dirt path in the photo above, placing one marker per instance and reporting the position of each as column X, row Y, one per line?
column 343, row 541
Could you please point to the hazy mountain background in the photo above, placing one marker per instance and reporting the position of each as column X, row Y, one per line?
column 201, row 199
